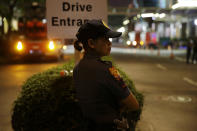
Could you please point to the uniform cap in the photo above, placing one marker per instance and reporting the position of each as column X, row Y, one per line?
column 94, row 29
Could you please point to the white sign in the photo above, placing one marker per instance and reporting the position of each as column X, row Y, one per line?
column 65, row 16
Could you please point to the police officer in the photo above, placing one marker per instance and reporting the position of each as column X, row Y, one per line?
column 101, row 92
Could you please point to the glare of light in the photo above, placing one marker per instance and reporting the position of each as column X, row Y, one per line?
column 44, row 21
column 185, row 3
column 135, row 18
column 141, row 43
column 1, row 23
column 157, row 15
column 138, row 16
column 145, row 15
column 134, row 43
column 19, row 46
column 162, row 15
column 64, row 47
column 125, row 22
column 195, row 21
column 4, row 19
column 5, row 23
column 51, row 45
column 121, row 29
column 177, row 5
column 128, row 42
column 15, row 24
column 34, row 3
column 110, row 39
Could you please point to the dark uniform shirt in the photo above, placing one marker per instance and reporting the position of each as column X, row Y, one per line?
column 98, row 90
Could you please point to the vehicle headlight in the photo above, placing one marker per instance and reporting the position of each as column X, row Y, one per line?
column 51, row 45
column 19, row 46
column 64, row 47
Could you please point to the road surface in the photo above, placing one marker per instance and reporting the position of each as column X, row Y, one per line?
column 169, row 87
column 170, row 90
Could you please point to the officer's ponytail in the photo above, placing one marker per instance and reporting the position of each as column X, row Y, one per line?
column 77, row 45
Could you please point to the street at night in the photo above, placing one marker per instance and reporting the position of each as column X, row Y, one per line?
column 150, row 85
column 12, row 76
column 169, row 87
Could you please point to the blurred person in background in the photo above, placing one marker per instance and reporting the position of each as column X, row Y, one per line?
column 189, row 49
column 194, row 55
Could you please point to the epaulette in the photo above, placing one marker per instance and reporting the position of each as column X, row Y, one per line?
column 106, row 62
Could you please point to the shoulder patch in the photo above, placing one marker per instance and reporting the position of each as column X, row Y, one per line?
column 114, row 72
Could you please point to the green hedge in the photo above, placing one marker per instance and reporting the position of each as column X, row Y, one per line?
column 47, row 102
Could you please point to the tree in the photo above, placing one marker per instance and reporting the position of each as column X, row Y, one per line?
column 9, row 7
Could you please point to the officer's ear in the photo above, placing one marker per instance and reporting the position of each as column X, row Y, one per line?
column 91, row 43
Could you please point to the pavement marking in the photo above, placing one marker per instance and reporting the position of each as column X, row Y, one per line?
column 182, row 99
column 190, row 81
column 161, row 67
column 180, row 59
column 151, row 127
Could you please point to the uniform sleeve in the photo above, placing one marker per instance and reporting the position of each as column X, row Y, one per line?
column 115, row 83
